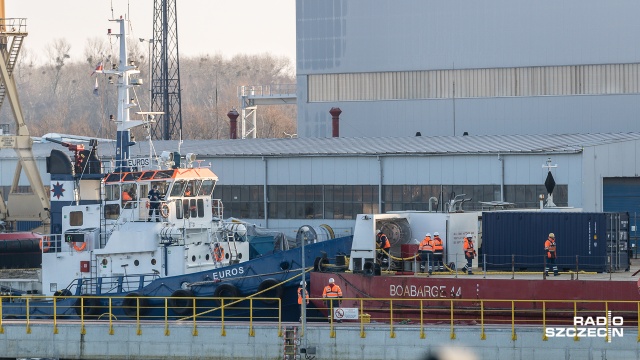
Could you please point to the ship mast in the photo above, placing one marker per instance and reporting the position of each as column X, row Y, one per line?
column 123, row 71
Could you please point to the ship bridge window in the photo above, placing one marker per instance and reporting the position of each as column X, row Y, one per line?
column 147, row 175
column 76, row 218
column 131, row 176
column 207, row 188
column 178, row 208
column 111, row 192
column 178, row 188
column 194, row 186
column 114, row 177
column 164, row 174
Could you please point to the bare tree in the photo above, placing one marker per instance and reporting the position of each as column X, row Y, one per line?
column 57, row 53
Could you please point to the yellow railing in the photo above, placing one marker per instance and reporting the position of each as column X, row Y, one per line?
column 552, row 316
column 141, row 310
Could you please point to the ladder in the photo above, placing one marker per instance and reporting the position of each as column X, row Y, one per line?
column 16, row 29
column 291, row 342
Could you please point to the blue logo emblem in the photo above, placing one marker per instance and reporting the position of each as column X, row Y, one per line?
column 58, row 190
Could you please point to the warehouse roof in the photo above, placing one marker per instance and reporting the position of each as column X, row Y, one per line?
column 416, row 145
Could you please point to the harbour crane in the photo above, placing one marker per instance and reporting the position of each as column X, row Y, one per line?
column 32, row 206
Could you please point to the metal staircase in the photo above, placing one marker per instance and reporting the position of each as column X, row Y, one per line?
column 13, row 30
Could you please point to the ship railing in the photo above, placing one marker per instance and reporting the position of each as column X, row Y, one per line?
column 605, row 319
column 144, row 310
column 112, row 284
column 51, row 243
column 554, row 318
column 514, row 264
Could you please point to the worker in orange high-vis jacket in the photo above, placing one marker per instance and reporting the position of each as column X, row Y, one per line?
column 302, row 293
column 383, row 246
column 469, row 253
column 332, row 293
column 550, row 248
column 438, row 252
column 426, row 253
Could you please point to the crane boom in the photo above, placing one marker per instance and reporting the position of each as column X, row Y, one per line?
column 20, row 206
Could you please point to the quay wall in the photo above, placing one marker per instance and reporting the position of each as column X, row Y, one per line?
column 346, row 342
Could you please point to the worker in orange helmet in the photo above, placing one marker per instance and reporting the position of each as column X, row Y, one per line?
column 469, row 253
column 426, row 253
column 438, row 252
column 302, row 293
column 550, row 248
column 332, row 292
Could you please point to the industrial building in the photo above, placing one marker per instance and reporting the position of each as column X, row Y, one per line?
column 287, row 183
column 443, row 67
column 497, row 90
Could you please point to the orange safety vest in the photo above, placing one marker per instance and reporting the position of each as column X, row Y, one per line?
column 126, row 196
column 468, row 247
column 218, row 253
column 550, row 247
column 437, row 244
column 426, row 244
column 300, row 295
column 383, row 240
column 332, row 291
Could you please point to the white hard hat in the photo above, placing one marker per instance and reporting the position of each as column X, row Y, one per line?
column 428, row 234
column 378, row 232
column 331, row 281
column 436, row 234
column 469, row 236
column 301, row 283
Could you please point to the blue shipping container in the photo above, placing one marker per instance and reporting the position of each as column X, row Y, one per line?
column 521, row 236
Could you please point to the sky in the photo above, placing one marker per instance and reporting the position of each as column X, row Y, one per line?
column 209, row 27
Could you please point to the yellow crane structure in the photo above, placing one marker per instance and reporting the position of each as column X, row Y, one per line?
column 32, row 206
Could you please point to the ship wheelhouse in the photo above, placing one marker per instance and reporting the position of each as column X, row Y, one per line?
column 185, row 194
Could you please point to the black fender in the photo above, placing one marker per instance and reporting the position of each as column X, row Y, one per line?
column 276, row 292
column 226, row 291
column 130, row 303
column 181, row 302
column 89, row 305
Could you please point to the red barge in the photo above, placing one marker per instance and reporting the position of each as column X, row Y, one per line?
column 397, row 293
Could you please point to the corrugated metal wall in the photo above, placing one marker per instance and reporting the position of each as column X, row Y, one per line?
column 476, row 83
column 564, row 67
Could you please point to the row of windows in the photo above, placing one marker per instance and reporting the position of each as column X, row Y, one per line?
column 346, row 201
column 473, row 83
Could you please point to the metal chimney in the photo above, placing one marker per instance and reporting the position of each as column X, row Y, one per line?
column 233, row 123
column 335, row 117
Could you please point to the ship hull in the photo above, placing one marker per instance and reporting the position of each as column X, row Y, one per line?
column 474, row 299
column 278, row 273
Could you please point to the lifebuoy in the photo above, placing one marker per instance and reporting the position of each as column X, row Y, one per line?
column 164, row 210
column 226, row 291
column 45, row 243
column 79, row 248
column 181, row 302
column 90, row 305
column 276, row 292
column 131, row 302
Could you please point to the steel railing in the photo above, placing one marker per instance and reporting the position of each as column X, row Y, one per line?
column 416, row 313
